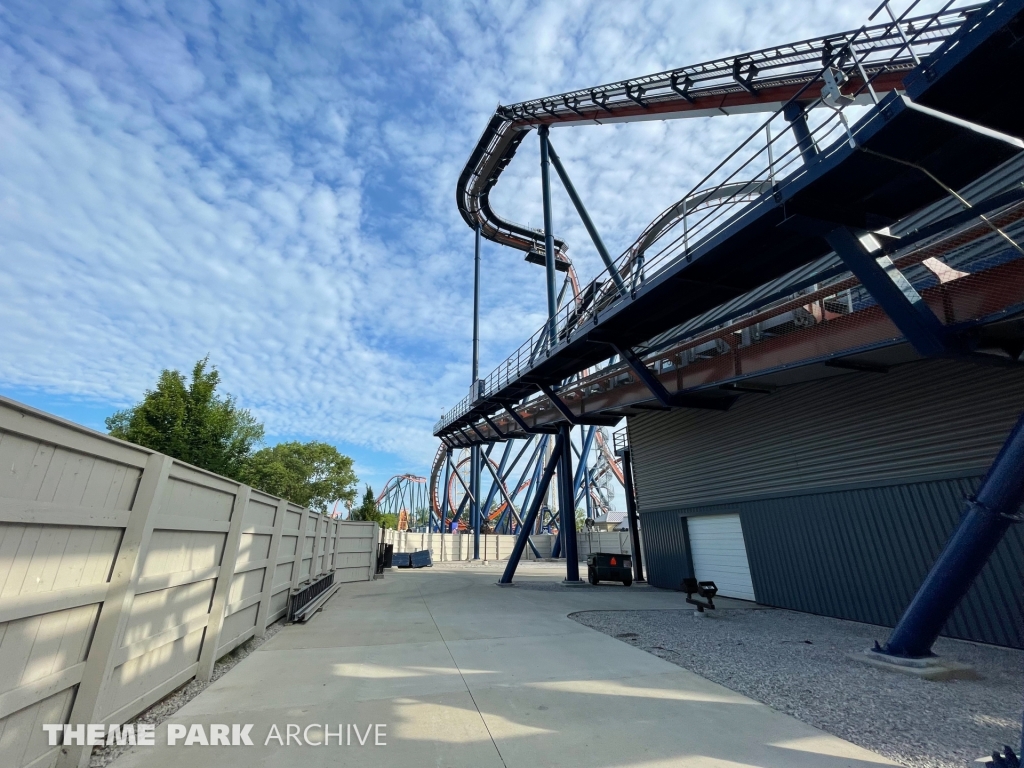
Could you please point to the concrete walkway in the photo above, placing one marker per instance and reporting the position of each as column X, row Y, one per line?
column 464, row 673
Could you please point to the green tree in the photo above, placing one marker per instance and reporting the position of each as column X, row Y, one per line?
column 581, row 519
column 191, row 422
column 309, row 474
column 368, row 509
column 389, row 520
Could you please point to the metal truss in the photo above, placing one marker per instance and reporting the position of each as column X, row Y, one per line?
column 511, row 470
column 765, row 182
column 405, row 496
column 821, row 242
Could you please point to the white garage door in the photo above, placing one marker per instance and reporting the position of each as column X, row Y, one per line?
column 716, row 544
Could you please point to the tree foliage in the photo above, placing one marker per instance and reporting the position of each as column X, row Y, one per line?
column 310, row 474
column 367, row 510
column 191, row 422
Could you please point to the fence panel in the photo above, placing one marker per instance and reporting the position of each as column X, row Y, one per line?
column 124, row 573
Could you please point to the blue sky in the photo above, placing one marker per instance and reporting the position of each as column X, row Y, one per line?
column 273, row 185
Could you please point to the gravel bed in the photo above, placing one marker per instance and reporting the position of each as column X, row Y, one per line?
column 797, row 663
column 156, row 714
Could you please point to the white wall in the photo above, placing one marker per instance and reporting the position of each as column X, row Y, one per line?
column 499, row 547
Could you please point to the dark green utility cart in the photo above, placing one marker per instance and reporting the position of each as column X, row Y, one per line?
column 604, row 566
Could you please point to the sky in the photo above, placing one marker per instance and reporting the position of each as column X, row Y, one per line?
column 272, row 185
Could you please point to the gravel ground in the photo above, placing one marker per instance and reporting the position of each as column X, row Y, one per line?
column 103, row 756
column 797, row 663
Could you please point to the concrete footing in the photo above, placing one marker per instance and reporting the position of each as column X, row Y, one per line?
column 932, row 668
column 577, row 583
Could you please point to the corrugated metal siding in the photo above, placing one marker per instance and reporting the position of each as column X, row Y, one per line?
column 928, row 419
column 861, row 555
column 666, row 550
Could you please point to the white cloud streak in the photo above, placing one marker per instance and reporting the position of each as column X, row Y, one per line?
column 273, row 185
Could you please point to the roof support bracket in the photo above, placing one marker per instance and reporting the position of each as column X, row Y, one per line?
column 494, row 426
column 636, row 94
column 526, row 427
column 674, row 83
column 559, row 404
column 743, row 72
column 862, row 253
column 663, row 396
column 484, row 438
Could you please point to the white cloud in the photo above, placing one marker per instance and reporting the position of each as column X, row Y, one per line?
column 275, row 186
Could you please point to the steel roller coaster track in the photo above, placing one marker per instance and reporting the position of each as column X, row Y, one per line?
column 738, row 280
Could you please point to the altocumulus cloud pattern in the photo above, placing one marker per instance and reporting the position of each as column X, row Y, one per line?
column 274, row 186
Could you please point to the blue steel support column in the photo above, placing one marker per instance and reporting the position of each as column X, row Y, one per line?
column 595, row 236
column 989, row 514
column 862, row 254
column 474, row 503
column 531, row 515
column 584, row 455
column 474, row 461
column 634, row 520
column 549, row 238
column 443, row 522
column 494, row 484
column 586, row 493
column 795, row 113
column 567, row 507
column 538, row 469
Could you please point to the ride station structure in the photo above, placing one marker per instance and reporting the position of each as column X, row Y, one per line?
column 817, row 349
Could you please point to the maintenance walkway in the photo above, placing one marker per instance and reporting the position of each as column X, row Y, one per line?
column 464, row 673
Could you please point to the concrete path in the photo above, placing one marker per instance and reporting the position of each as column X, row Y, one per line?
column 464, row 673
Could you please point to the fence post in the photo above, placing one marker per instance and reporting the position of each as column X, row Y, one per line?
column 270, row 574
column 300, row 546
column 117, row 604
column 314, row 569
column 228, row 558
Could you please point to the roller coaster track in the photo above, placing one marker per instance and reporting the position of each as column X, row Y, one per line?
column 757, row 81
column 749, row 287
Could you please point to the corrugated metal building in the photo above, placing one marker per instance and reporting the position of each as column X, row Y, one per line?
column 837, row 495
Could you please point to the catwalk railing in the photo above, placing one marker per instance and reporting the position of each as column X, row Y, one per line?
column 968, row 276
column 125, row 573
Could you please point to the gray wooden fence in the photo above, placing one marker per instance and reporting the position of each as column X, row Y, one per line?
column 125, row 573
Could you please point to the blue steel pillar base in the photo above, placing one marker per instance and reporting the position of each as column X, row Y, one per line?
column 989, row 515
column 930, row 668
column 577, row 583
